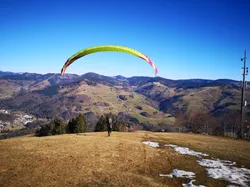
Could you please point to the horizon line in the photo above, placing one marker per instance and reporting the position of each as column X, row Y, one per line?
column 125, row 76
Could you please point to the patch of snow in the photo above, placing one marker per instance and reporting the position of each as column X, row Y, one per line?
column 190, row 184
column 217, row 169
column 223, row 169
column 180, row 174
column 151, row 144
column 186, row 151
column 170, row 145
column 183, row 174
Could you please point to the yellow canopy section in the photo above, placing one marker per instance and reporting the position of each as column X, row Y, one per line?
column 107, row 48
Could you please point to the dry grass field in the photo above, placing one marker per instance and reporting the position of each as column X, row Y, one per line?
column 94, row 159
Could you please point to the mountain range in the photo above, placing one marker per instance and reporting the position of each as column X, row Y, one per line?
column 146, row 99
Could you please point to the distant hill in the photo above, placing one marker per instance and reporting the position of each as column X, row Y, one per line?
column 148, row 99
column 3, row 73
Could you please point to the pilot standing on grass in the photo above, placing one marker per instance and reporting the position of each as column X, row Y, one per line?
column 109, row 126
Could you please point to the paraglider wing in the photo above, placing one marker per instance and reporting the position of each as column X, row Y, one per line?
column 107, row 48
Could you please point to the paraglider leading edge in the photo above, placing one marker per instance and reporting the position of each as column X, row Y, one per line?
column 110, row 48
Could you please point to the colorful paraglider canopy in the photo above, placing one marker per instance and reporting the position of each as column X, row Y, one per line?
column 105, row 48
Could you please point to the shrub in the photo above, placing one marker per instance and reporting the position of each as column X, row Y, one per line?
column 123, row 97
column 145, row 114
column 139, row 107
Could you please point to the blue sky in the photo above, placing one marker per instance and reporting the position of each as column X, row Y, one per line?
column 185, row 38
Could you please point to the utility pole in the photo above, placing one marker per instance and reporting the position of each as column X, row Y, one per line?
column 243, row 101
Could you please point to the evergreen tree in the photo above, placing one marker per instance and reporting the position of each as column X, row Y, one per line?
column 58, row 126
column 55, row 126
column 81, row 124
column 101, row 124
column 45, row 130
column 77, row 125
column 71, row 125
column 104, row 120
column 118, row 125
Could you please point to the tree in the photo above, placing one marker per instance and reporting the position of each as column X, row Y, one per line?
column 58, row 126
column 117, row 122
column 199, row 122
column 55, row 126
column 101, row 124
column 103, row 121
column 77, row 125
column 147, row 126
column 45, row 130
column 164, row 127
column 71, row 125
column 120, row 122
column 121, row 126
column 230, row 121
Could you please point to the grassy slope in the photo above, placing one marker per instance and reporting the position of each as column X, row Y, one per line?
column 201, row 99
column 194, row 99
column 102, row 93
column 119, row 160
column 7, row 89
column 206, row 98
